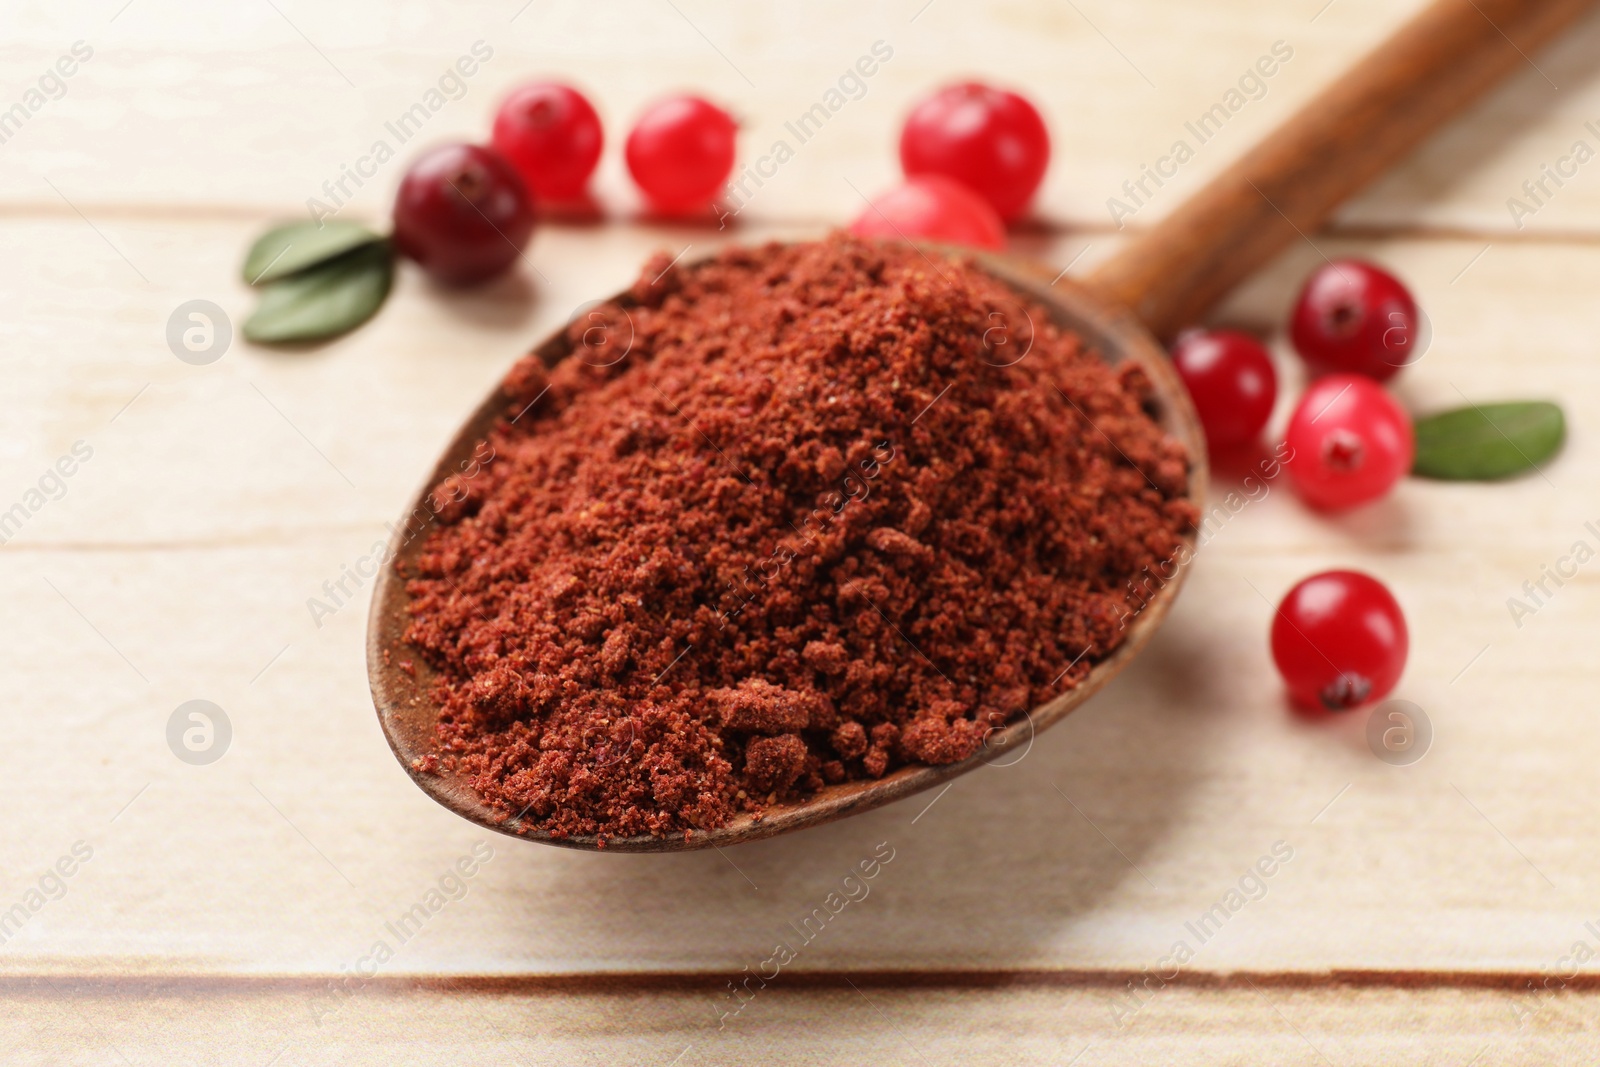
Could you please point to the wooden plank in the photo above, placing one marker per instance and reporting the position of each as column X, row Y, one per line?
column 246, row 115
column 179, row 563
column 837, row 1020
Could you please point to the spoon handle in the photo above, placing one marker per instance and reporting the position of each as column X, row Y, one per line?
column 1333, row 146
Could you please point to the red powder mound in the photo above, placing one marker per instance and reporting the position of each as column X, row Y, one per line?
column 799, row 515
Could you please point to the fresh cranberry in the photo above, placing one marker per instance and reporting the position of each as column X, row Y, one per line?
column 1356, row 318
column 990, row 140
column 931, row 208
column 681, row 152
column 551, row 134
column 1231, row 381
column 1349, row 442
column 1339, row 640
column 462, row 213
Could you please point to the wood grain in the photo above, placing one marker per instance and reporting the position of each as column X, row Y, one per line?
column 834, row 1019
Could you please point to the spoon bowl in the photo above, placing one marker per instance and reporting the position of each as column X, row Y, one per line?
column 409, row 714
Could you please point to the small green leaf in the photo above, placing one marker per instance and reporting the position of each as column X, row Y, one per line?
column 1487, row 441
column 295, row 246
column 326, row 300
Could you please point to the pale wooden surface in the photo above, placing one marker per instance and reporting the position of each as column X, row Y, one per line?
column 444, row 1024
column 206, row 518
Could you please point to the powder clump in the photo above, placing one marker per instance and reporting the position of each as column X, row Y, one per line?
column 798, row 515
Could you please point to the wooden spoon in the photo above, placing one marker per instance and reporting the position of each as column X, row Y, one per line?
column 1161, row 281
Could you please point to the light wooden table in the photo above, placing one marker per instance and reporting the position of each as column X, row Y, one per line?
column 223, row 907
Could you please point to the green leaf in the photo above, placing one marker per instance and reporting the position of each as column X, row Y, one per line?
column 326, row 300
column 1488, row 441
column 295, row 246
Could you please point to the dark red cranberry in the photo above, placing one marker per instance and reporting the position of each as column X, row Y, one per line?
column 1356, row 318
column 462, row 213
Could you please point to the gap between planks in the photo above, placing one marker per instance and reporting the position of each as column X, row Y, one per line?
column 1028, row 228
column 157, row 984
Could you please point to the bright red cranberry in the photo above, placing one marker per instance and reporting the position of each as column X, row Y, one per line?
column 990, row 140
column 931, row 208
column 1231, row 381
column 681, row 152
column 551, row 134
column 1356, row 318
column 1349, row 442
column 462, row 213
column 1339, row 640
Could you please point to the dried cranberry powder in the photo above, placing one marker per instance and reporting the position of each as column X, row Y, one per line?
column 790, row 519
